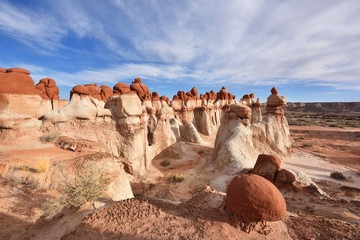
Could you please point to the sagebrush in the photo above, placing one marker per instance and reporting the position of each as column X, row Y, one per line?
column 88, row 185
column 175, row 178
column 42, row 165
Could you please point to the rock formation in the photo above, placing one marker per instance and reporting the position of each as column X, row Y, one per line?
column 203, row 111
column 238, row 142
column 21, row 102
column 285, row 180
column 253, row 198
column 142, row 124
column 275, row 102
column 82, row 105
column 121, row 88
column 17, row 81
column 267, row 166
column 101, row 93
column 256, row 112
column 189, row 133
column 47, row 89
column 141, row 89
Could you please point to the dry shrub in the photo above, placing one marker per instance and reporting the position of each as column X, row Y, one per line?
column 337, row 175
column 174, row 178
column 42, row 165
column 165, row 163
column 48, row 138
column 88, row 185
column 13, row 179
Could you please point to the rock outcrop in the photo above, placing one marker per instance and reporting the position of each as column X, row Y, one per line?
column 275, row 102
column 189, row 133
column 81, row 106
column 286, row 180
column 21, row 102
column 267, row 166
column 239, row 140
column 141, row 89
column 253, row 198
column 121, row 88
column 17, row 81
column 101, row 93
column 256, row 112
column 47, row 89
column 143, row 124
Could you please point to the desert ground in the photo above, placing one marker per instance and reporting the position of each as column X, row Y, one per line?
column 191, row 208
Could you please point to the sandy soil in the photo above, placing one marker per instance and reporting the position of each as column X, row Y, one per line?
column 191, row 209
column 335, row 145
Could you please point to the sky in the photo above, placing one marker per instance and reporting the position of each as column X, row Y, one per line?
column 309, row 50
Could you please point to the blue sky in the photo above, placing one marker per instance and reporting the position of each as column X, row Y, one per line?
column 310, row 50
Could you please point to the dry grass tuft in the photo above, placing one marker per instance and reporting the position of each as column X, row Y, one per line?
column 88, row 185
column 175, row 178
column 42, row 165
column 165, row 163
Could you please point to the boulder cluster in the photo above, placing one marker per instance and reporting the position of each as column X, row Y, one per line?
column 253, row 196
column 269, row 167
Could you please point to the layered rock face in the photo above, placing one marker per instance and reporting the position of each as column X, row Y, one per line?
column 132, row 122
column 242, row 137
column 21, row 102
column 138, row 128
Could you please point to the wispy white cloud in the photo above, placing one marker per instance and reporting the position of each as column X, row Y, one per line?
column 35, row 28
column 212, row 41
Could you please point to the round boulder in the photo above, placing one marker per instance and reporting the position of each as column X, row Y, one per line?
column 253, row 198
column 267, row 166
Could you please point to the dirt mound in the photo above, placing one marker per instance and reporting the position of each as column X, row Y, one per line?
column 133, row 219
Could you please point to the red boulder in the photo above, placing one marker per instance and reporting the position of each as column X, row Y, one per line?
column 267, row 166
column 253, row 198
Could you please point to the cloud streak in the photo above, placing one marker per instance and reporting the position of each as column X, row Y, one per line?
column 242, row 42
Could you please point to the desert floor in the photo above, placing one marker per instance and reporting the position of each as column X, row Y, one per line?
column 191, row 209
